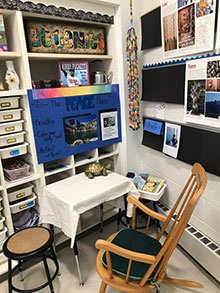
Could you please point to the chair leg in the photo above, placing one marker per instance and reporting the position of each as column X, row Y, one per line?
column 48, row 274
column 53, row 252
column 9, row 277
column 182, row 283
column 20, row 271
column 102, row 287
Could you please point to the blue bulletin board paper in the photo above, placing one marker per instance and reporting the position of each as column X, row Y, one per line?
column 65, row 126
column 153, row 126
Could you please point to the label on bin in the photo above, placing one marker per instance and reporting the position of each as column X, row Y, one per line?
column 14, row 153
column 11, row 140
column 6, row 104
column 20, row 194
column 10, row 116
column 12, row 128
column 30, row 204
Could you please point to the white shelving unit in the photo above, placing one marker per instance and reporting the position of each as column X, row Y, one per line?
column 33, row 66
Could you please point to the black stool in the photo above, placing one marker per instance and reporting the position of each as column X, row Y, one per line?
column 27, row 244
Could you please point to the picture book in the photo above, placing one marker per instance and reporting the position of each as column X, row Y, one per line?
column 153, row 184
column 3, row 40
column 139, row 180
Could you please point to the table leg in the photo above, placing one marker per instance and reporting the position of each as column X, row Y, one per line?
column 77, row 263
column 101, row 217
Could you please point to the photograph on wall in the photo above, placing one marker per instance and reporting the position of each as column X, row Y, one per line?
column 212, row 105
column 80, row 129
column 73, row 73
column 196, row 97
column 171, row 139
column 170, row 32
column 109, row 125
column 202, row 91
column 67, row 38
column 195, row 26
column 186, row 26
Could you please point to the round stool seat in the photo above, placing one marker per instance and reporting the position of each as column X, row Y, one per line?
column 27, row 244
column 30, row 241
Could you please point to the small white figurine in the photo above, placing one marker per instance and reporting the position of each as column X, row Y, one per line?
column 11, row 77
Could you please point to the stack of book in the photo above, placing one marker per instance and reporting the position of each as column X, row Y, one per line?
column 147, row 183
column 3, row 41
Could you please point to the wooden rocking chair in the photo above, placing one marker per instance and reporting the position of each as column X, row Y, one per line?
column 132, row 261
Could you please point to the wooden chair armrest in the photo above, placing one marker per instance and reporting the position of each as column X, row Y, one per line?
column 141, row 257
column 131, row 199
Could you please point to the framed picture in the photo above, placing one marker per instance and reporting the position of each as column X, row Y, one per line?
column 73, row 73
column 67, row 38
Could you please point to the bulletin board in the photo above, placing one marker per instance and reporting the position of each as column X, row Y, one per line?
column 196, row 145
column 68, row 121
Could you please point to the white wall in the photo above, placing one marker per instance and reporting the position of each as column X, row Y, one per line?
column 206, row 214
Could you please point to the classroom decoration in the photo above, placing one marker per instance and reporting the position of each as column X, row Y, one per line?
column 171, row 139
column 50, row 37
column 96, row 169
column 73, row 73
column 202, row 91
column 66, row 121
column 133, row 86
column 3, row 40
column 187, row 26
column 11, row 77
column 196, row 145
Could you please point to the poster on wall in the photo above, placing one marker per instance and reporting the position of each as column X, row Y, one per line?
column 217, row 43
column 187, row 26
column 109, row 125
column 171, row 139
column 69, row 121
column 202, row 91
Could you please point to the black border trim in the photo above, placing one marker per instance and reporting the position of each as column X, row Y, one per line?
column 52, row 10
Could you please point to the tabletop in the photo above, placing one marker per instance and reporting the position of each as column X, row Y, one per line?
column 63, row 201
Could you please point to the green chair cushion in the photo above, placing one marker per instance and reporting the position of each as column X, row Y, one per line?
column 135, row 241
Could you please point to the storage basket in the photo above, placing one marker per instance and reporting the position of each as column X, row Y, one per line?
column 11, row 127
column 9, row 103
column 13, row 151
column 11, row 139
column 16, row 169
column 10, row 115
column 18, row 192
column 23, row 205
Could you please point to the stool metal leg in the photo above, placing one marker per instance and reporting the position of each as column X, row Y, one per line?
column 20, row 271
column 48, row 273
column 77, row 263
column 9, row 277
column 55, row 260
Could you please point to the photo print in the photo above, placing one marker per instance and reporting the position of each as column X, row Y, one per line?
column 213, row 69
column 218, row 85
column 211, row 85
column 182, row 3
column 170, row 32
column 212, row 105
column 204, row 7
column 80, row 129
column 171, row 139
column 195, row 97
column 109, row 124
column 186, row 26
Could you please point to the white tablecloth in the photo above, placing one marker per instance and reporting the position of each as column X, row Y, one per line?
column 62, row 202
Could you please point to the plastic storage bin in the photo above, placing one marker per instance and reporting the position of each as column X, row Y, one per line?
column 3, row 234
column 13, row 151
column 10, row 115
column 152, row 195
column 11, row 139
column 18, row 192
column 23, row 205
column 9, row 103
column 11, row 127
column 16, row 170
column 2, row 219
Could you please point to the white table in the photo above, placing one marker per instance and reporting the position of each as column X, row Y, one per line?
column 63, row 202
